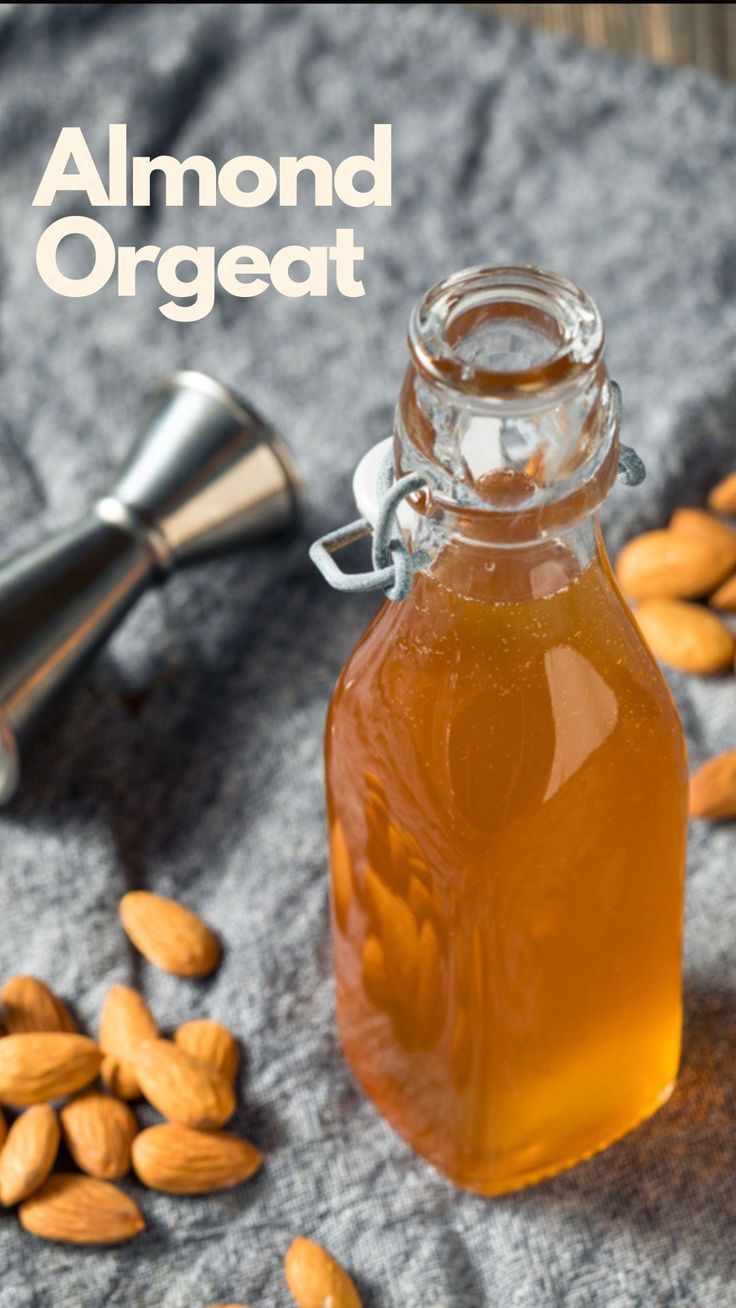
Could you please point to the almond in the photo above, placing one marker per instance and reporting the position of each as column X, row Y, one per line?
column 686, row 636
column 725, row 597
column 212, row 1043
column 182, row 1088
column 178, row 1160
column 98, row 1132
column 671, row 564
column 29, row 1005
column 81, row 1210
column 126, row 1021
column 29, row 1153
column 169, row 935
column 696, row 522
column 713, row 788
column 315, row 1278
column 41, row 1065
column 723, row 496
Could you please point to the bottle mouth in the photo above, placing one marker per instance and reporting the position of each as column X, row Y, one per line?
column 501, row 333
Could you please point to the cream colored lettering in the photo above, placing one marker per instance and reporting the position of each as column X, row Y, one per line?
column 47, row 252
column 379, row 168
column 243, row 261
column 201, row 286
column 173, row 172
column 264, row 189
column 71, row 147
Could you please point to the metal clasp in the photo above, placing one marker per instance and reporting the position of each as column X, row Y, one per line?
column 394, row 564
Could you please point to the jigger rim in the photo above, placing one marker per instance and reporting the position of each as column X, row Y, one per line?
column 244, row 414
column 9, row 760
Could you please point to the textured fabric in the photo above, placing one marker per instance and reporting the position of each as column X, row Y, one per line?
column 191, row 761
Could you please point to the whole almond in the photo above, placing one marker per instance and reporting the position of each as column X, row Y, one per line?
column 713, row 787
column 315, row 1278
column 697, row 522
column 29, row 1153
column 212, row 1043
column 98, row 1132
column 81, row 1210
column 178, row 1160
column 686, row 636
column 724, row 598
column 169, row 935
column 671, row 564
column 29, row 1005
column 126, row 1020
column 182, row 1088
column 723, row 496
column 41, row 1065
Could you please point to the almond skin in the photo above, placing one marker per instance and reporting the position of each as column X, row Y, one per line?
column 723, row 496
column 178, row 1160
column 673, row 565
column 182, row 1088
column 98, row 1132
column 698, row 522
column 169, row 935
column 212, row 1043
column 29, row 1154
column 724, row 598
column 713, row 788
column 315, row 1278
column 126, row 1020
column 81, row 1210
column 686, row 636
column 29, row 1005
column 41, row 1065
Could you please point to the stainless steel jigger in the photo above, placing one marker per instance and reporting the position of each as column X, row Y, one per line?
column 206, row 476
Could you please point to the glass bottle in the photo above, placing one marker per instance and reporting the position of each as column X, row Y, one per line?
column 506, row 773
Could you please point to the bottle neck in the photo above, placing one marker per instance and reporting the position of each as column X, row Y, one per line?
column 507, row 412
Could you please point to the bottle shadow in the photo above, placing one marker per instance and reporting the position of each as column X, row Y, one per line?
column 670, row 1183
column 154, row 761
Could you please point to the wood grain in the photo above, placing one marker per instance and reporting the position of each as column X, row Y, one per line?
column 703, row 36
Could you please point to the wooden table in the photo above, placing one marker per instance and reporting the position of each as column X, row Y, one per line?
column 702, row 35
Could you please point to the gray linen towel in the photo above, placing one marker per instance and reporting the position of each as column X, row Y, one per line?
column 191, row 762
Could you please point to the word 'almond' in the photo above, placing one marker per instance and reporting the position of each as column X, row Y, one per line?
column 178, row 1160
column 169, row 935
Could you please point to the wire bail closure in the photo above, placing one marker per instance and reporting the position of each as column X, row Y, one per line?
column 394, row 564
